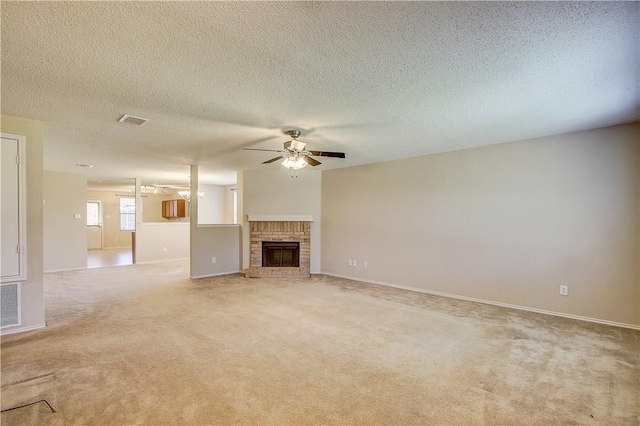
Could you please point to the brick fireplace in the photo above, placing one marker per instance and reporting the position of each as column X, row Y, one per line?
column 279, row 228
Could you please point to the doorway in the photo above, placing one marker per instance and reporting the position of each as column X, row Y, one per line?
column 94, row 224
column 110, row 222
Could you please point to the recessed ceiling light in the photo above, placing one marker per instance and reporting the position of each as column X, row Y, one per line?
column 130, row 119
column 85, row 166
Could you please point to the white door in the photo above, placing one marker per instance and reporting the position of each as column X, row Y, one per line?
column 94, row 224
column 11, row 223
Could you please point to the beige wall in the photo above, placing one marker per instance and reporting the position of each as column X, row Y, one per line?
column 65, row 237
column 219, row 241
column 506, row 223
column 274, row 191
column 161, row 241
column 209, row 241
column 216, row 205
column 32, row 289
column 211, row 207
column 112, row 236
column 229, row 194
column 152, row 207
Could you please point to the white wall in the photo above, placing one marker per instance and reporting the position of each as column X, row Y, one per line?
column 273, row 191
column 505, row 223
column 32, row 289
column 64, row 236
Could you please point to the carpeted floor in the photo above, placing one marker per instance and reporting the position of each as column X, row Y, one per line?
column 143, row 344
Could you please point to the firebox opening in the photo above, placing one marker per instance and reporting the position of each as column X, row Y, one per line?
column 284, row 254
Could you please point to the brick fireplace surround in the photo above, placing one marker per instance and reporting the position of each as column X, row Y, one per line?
column 296, row 228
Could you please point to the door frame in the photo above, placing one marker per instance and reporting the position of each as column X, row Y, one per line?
column 100, row 222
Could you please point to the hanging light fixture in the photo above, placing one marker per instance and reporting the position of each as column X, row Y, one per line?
column 152, row 189
column 187, row 194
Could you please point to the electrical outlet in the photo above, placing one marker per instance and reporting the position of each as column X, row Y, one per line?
column 564, row 290
column 350, row 262
column 355, row 262
column 164, row 249
column 364, row 264
column 214, row 260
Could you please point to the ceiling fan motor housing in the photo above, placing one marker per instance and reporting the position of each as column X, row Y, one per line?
column 295, row 134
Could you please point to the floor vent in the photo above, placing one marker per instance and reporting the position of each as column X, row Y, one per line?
column 9, row 305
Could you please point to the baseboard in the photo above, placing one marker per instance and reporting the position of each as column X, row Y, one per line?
column 195, row 277
column 113, row 248
column 490, row 302
column 15, row 330
column 162, row 260
column 49, row 271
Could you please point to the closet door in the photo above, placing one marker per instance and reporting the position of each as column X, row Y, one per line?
column 12, row 210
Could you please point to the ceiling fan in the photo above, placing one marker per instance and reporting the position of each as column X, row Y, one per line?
column 295, row 155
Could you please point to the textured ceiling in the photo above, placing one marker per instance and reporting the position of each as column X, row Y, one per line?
column 377, row 80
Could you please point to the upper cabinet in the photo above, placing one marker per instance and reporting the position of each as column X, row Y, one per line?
column 13, row 223
column 175, row 209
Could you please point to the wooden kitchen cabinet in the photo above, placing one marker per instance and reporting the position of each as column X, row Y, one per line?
column 174, row 209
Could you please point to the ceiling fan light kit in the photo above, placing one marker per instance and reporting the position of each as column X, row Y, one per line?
column 295, row 163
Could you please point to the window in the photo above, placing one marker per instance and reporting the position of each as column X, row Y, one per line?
column 127, row 214
column 93, row 213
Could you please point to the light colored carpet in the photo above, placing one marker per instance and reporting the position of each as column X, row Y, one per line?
column 143, row 344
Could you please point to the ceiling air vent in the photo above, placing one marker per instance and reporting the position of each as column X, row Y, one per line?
column 130, row 119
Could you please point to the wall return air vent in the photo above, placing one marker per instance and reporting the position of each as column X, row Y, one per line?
column 10, row 305
column 130, row 119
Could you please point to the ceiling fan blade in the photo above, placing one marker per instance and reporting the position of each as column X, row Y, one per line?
column 256, row 149
column 311, row 161
column 272, row 160
column 327, row 154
